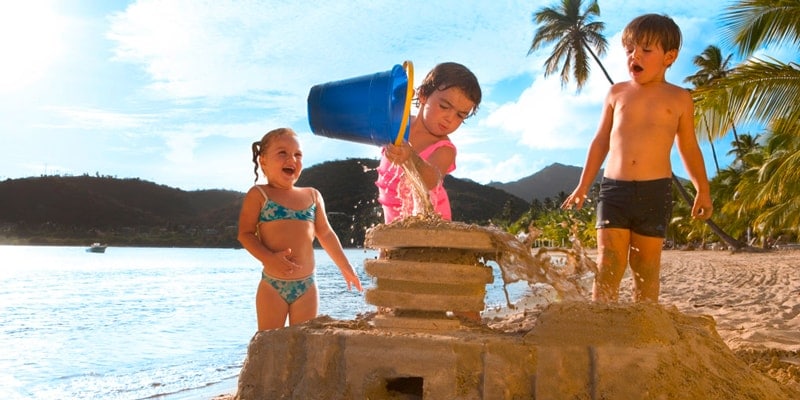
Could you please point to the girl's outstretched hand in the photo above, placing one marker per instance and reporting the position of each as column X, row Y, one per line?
column 352, row 280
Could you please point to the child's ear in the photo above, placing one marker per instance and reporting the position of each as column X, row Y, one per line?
column 421, row 98
column 670, row 57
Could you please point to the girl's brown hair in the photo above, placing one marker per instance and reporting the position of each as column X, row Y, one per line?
column 449, row 74
column 260, row 146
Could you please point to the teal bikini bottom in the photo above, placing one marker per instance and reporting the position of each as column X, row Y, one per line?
column 290, row 291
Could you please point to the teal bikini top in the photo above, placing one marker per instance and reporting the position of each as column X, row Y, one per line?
column 273, row 211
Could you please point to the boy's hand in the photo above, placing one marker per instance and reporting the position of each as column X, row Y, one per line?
column 575, row 199
column 702, row 207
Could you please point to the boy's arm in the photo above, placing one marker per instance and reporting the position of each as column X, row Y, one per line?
column 692, row 157
column 330, row 242
column 598, row 150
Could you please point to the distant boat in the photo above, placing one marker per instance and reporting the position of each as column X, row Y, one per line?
column 97, row 248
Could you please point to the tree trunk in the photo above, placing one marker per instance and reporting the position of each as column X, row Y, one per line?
column 736, row 139
column 600, row 64
column 730, row 240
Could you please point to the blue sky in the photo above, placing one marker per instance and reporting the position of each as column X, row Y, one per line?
column 175, row 91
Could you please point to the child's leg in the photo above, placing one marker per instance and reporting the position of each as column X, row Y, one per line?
column 646, row 266
column 271, row 309
column 305, row 307
column 612, row 259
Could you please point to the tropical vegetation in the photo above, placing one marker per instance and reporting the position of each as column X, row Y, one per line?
column 756, row 197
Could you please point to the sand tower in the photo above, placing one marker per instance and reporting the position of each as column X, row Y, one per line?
column 427, row 275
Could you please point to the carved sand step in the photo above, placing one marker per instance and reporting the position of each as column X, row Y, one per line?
column 414, row 285
column 429, row 272
column 421, row 293
column 394, row 237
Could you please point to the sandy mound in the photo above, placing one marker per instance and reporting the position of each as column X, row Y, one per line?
column 685, row 358
column 728, row 328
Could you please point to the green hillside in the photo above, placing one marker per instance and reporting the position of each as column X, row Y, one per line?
column 132, row 212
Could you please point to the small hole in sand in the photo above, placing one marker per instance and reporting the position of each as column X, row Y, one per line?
column 408, row 386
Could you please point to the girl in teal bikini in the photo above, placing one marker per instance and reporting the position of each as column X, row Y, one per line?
column 277, row 225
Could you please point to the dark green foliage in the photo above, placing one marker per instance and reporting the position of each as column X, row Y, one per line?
column 84, row 209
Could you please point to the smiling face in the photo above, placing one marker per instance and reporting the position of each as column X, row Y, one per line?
column 444, row 110
column 282, row 161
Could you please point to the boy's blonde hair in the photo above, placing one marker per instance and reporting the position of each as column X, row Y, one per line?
column 652, row 29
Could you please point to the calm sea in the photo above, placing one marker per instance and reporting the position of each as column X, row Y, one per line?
column 138, row 323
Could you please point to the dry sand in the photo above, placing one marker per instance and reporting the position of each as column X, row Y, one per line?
column 753, row 298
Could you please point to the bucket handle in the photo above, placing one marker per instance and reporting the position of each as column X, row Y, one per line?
column 409, row 67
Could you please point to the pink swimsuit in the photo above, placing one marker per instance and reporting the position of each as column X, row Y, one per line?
column 393, row 188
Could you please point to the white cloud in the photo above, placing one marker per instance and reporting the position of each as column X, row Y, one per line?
column 98, row 119
column 222, row 73
column 32, row 38
column 221, row 49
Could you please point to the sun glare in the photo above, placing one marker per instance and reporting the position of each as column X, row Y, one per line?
column 31, row 39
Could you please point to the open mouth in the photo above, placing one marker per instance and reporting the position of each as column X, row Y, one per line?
column 637, row 68
column 288, row 170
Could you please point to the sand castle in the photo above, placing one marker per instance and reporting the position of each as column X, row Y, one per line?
column 418, row 349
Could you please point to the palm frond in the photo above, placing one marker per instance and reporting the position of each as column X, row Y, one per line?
column 573, row 34
column 750, row 24
column 756, row 91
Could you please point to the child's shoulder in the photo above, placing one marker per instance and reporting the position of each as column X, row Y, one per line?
column 257, row 191
column 667, row 88
column 307, row 191
column 257, row 188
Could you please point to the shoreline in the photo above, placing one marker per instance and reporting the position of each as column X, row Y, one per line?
column 212, row 391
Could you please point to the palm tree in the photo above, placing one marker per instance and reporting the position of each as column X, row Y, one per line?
column 575, row 34
column 712, row 67
column 765, row 90
column 765, row 195
column 744, row 145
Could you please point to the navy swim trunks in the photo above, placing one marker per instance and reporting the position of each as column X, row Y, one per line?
column 644, row 207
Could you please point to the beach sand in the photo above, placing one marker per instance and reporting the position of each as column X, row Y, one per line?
column 753, row 298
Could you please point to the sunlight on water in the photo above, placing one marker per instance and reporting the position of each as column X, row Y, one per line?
column 135, row 322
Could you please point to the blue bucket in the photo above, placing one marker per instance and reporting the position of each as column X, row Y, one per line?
column 370, row 109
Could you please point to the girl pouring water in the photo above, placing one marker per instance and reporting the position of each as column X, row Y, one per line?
column 448, row 95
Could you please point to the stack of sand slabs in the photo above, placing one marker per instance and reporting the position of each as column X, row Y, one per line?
column 429, row 272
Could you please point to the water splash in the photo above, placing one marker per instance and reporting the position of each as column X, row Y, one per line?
column 515, row 258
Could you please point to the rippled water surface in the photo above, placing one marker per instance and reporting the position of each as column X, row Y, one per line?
column 136, row 323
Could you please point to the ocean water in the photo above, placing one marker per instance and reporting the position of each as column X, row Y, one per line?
column 142, row 323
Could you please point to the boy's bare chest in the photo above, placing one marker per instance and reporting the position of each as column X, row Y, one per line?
column 647, row 110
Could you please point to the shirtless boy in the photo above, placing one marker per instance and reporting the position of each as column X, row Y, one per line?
column 640, row 121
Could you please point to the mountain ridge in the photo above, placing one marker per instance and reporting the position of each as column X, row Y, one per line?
column 548, row 182
column 131, row 211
